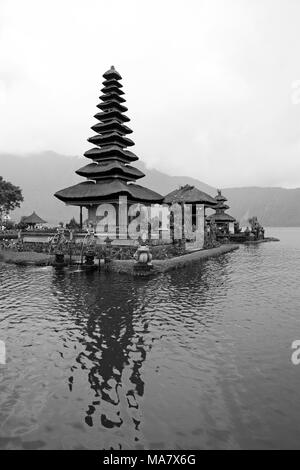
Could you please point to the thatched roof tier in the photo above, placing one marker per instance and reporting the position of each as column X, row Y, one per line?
column 33, row 219
column 189, row 195
column 112, row 96
column 112, row 105
column 113, row 82
column 222, row 217
column 112, row 74
column 117, row 169
column 113, row 114
column 219, row 197
column 112, row 89
column 112, row 138
column 89, row 192
column 112, row 152
column 221, row 207
column 110, row 126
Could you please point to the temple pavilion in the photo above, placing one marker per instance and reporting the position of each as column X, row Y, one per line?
column 109, row 174
column 190, row 195
column 198, row 201
column 221, row 219
column 33, row 220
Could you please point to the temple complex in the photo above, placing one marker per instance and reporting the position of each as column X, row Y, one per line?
column 109, row 174
column 221, row 219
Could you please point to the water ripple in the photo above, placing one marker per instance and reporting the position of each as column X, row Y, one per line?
column 198, row 358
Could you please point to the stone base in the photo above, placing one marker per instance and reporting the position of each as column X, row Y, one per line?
column 59, row 260
column 140, row 269
column 89, row 259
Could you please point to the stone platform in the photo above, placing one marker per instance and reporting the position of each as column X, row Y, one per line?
column 120, row 266
column 178, row 262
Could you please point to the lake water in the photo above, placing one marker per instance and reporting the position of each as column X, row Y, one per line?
column 199, row 358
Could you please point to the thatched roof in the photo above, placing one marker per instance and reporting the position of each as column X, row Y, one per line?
column 189, row 194
column 111, row 152
column 223, row 217
column 33, row 219
column 97, row 192
column 221, row 206
column 111, row 168
column 219, row 197
column 112, row 73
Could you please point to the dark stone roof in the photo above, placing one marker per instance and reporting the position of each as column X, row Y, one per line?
column 189, row 194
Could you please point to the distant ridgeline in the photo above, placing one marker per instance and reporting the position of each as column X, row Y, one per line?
column 274, row 207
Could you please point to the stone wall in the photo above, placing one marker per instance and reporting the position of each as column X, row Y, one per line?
column 163, row 251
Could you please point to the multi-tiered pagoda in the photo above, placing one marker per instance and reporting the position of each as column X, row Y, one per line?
column 110, row 174
column 221, row 218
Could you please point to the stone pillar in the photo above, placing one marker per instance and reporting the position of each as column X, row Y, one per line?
column 108, row 251
column 59, row 259
column 89, row 258
column 80, row 220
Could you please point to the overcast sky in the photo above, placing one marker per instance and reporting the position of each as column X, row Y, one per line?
column 212, row 87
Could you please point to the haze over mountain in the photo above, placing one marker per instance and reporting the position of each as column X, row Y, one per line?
column 41, row 175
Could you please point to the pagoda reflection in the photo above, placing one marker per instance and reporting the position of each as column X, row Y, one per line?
column 109, row 324
column 111, row 333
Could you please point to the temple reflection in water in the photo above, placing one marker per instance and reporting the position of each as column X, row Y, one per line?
column 114, row 334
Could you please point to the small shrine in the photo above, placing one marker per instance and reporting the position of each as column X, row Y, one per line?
column 32, row 221
column 220, row 219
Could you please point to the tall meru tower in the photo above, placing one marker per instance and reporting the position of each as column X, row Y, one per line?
column 110, row 174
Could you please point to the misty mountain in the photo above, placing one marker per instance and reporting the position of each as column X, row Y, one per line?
column 41, row 175
column 274, row 207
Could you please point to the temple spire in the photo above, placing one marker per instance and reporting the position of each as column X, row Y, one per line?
column 110, row 155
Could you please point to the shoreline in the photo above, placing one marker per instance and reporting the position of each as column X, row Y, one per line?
column 30, row 258
column 178, row 262
column 25, row 258
column 264, row 240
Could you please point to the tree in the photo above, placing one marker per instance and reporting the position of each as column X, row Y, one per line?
column 253, row 223
column 9, row 224
column 21, row 225
column 10, row 197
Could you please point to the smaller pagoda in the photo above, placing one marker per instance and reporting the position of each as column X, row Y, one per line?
column 220, row 218
column 33, row 220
